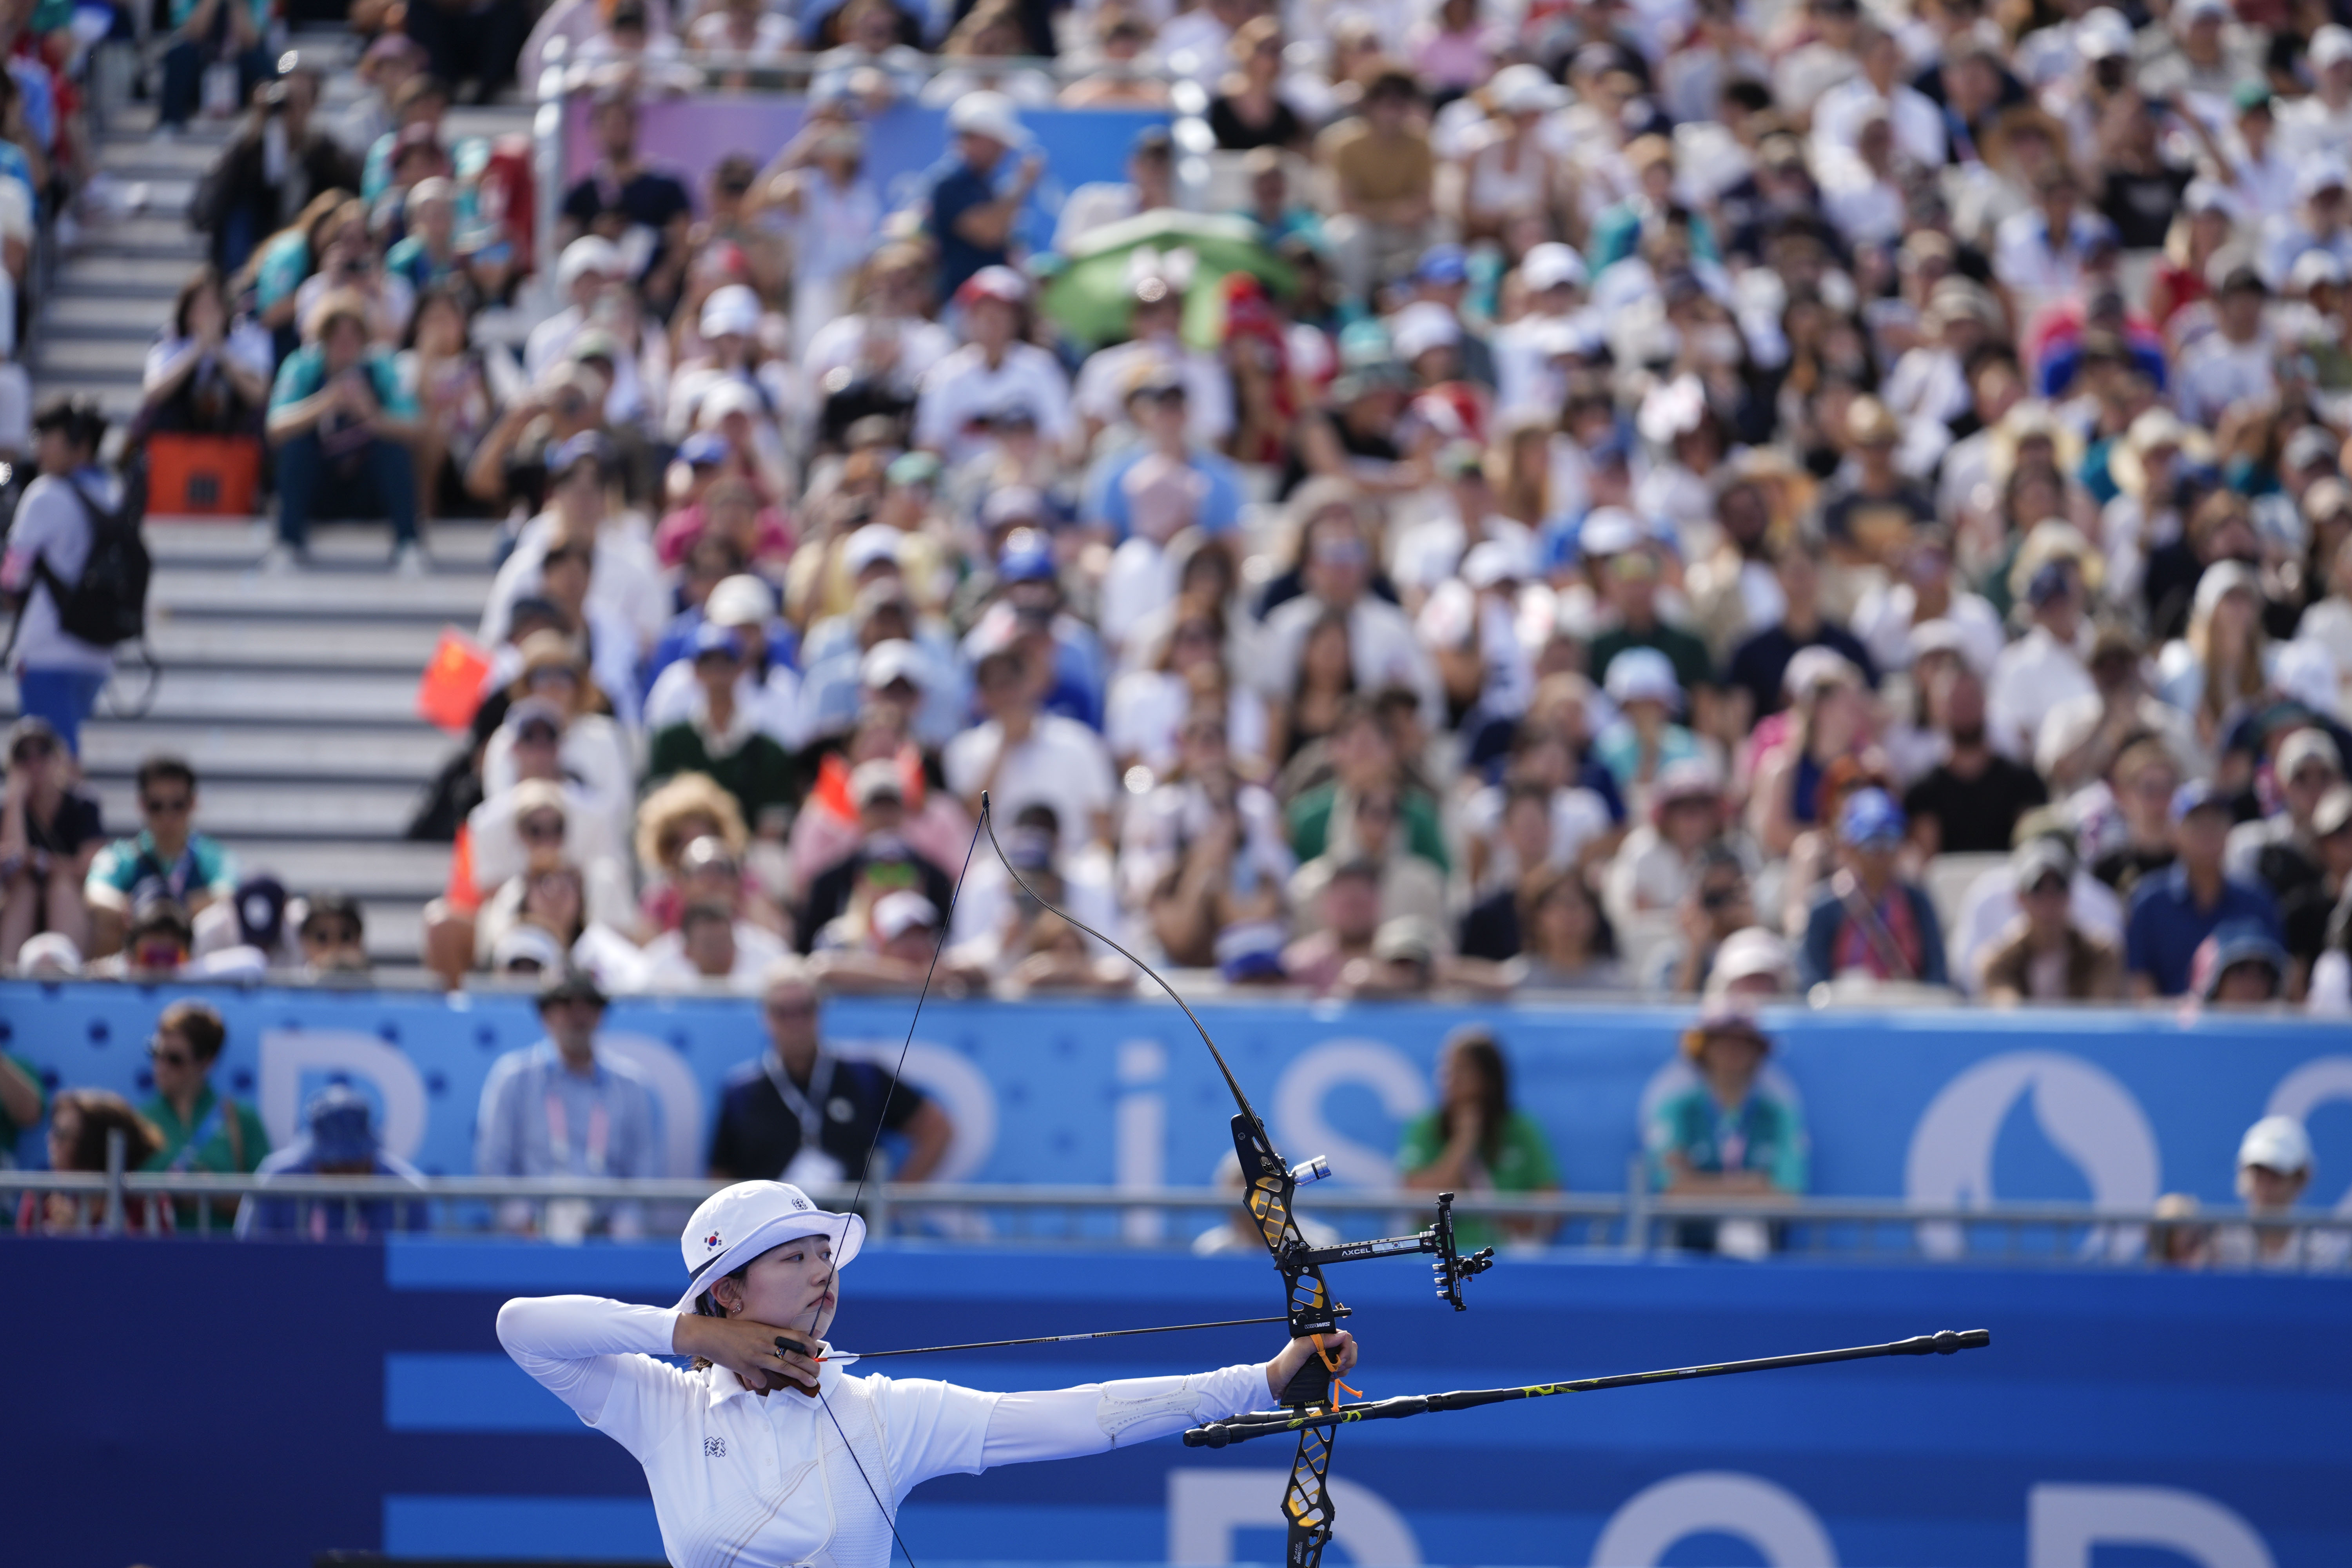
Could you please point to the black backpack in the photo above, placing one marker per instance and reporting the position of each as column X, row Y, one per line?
column 107, row 604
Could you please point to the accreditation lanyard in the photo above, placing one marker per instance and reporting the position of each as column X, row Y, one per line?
column 804, row 1106
column 1731, row 1138
column 558, row 1134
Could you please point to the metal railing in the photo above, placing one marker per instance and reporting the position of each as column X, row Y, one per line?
column 1633, row 1222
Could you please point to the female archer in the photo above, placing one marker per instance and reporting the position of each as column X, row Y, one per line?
column 741, row 1477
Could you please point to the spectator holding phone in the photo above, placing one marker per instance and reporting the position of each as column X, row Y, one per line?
column 342, row 425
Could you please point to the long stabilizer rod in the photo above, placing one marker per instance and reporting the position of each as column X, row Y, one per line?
column 1260, row 1423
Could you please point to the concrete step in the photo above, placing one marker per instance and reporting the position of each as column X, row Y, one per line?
column 106, row 316
column 115, row 275
column 385, row 871
column 222, row 646
column 320, row 754
column 459, row 547
column 145, row 157
column 283, row 698
column 119, row 361
column 159, row 234
column 118, row 402
column 343, row 813
column 324, row 593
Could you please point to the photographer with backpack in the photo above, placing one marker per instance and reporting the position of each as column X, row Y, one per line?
column 75, row 570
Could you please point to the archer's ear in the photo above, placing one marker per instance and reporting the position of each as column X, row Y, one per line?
column 727, row 1292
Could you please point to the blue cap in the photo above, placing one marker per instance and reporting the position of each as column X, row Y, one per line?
column 1870, row 816
column 1250, row 949
column 705, row 450
column 1612, row 448
column 341, row 1126
column 1443, row 264
column 1027, row 558
column 261, row 913
column 711, row 638
column 2050, row 582
column 2196, row 796
column 2242, row 942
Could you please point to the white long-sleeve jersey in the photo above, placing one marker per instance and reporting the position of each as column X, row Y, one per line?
column 740, row 1480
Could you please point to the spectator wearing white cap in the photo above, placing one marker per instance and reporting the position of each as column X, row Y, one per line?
column 1428, row 551
column 2316, row 225
column 728, row 328
column 2279, row 851
column 586, row 269
column 764, row 1268
column 767, row 689
column 1113, row 379
column 1551, row 279
column 2320, row 122
column 1683, row 820
column 1752, row 964
column 2045, row 954
column 994, row 371
column 2274, row 1169
column 1644, row 740
column 977, row 198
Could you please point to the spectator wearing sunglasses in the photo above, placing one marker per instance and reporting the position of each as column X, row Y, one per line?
column 159, row 944
column 202, row 1130
column 166, row 857
column 48, row 839
column 334, row 934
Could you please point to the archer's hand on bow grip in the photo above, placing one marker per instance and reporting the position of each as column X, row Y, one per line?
column 1338, row 1347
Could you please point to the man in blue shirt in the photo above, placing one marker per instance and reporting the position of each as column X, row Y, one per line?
column 562, row 1107
column 972, row 218
column 340, row 422
column 2174, row 910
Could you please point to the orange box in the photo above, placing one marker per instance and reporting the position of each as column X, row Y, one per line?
column 203, row 476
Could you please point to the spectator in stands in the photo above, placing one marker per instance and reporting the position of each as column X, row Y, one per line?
column 341, row 425
column 1968, row 803
column 2044, row 669
column 1830, row 719
column 168, row 856
column 1475, row 1141
column 339, row 1139
column 2274, row 1168
column 208, row 35
column 721, row 738
column 978, row 195
column 2081, row 737
column 81, row 1123
column 208, row 373
column 622, row 193
column 1715, row 903
column 2044, row 954
column 280, row 162
column 2279, row 851
column 474, row 41
column 2175, row 911
column 1567, row 944
column 58, row 673
column 1020, row 756
column 1204, row 852
column 801, row 1114
column 566, row 1107
column 1384, row 175
column 1869, row 921
column 23, row 1102
column 1348, row 919
column 48, row 839
column 1755, row 964
column 1759, row 667
column 199, row 1129
column 334, row 937
column 1726, row 1131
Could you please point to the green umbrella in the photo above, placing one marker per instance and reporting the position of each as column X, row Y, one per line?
column 1089, row 297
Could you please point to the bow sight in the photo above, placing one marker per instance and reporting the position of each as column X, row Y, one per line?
column 1451, row 1268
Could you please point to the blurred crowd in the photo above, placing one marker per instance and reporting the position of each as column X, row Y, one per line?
column 1633, row 496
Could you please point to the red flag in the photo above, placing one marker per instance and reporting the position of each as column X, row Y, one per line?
column 451, row 688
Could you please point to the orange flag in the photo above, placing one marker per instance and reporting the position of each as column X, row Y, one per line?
column 451, row 688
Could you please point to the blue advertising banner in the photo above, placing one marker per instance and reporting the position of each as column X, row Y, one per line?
column 1956, row 1108
column 217, row 1404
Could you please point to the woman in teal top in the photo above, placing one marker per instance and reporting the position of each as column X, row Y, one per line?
column 1474, row 1141
column 1726, row 1131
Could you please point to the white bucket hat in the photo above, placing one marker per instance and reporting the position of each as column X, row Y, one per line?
column 736, row 1223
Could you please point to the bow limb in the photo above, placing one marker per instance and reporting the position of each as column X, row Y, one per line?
column 1268, row 1190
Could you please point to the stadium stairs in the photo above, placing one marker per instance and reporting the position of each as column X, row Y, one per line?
column 294, row 695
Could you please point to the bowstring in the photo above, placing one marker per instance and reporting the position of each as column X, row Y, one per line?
column 1162, row 981
column 946, row 922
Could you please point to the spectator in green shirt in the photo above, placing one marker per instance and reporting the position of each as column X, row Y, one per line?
column 1363, row 755
column 1628, row 579
column 1725, row 1132
column 22, row 1103
column 203, row 1131
column 721, row 738
column 1473, row 1140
